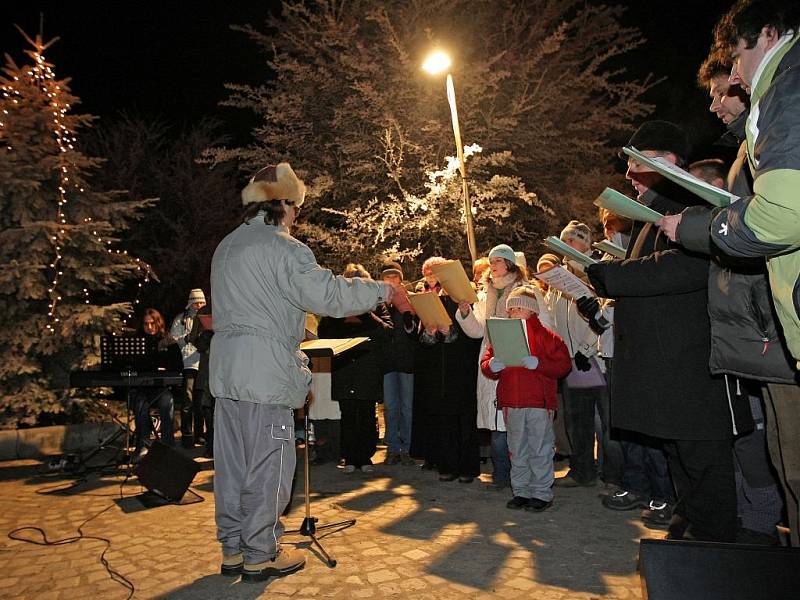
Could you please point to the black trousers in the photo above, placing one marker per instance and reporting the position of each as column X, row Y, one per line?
column 191, row 408
column 456, row 444
column 578, row 407
column 422, row 435
column 703, row 474
column 207, row 403
column 359, row 431
column 328, row 440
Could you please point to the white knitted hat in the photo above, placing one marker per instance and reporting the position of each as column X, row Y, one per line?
column 523, row 297
column 577, row 230
column 196, row 295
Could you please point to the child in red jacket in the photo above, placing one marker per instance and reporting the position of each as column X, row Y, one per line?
column 527, row 396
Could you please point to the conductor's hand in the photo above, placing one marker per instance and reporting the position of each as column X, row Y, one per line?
column 582, row 362
column 495, row 365
column 669, row 225
column 530, row 362
column 587, row 306
column 464, row 308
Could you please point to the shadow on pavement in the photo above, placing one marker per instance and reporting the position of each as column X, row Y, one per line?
column 217, row 586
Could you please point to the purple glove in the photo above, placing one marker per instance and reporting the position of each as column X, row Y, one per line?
column 530, row 362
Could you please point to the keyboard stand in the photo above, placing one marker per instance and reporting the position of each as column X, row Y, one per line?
column 123, row 428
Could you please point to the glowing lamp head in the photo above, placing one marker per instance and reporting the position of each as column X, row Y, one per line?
column 437, row 62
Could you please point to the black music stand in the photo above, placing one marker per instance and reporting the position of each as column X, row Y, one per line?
column 309, row 527
column 129, row 355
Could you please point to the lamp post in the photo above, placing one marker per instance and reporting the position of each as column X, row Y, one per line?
column 436, row 63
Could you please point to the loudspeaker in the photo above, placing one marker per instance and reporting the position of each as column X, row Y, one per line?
column 166, row 472
column 684, row 570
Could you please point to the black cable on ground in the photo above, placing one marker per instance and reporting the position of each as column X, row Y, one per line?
column 115, row 576
column 64, row 489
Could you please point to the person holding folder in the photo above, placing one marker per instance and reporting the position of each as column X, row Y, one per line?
column 662, row 387
column 528, row 399
column 447, row 370
column 502, row 276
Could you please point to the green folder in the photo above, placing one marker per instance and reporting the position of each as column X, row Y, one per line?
column 709, row 193
column 563, row 249
column 610, row 248
column 508, row 339
column 620, row 204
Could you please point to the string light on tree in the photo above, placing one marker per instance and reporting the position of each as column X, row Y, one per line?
column 59, row 242
column 42, row 76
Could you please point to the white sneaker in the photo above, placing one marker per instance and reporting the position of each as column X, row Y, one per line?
column 349, row 468
column 367, row 469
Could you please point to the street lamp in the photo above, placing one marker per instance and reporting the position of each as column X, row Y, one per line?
column 439, row 62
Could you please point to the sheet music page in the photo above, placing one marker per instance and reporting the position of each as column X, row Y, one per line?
column 565, row 282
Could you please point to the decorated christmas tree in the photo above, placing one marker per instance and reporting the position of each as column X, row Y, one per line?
column 61, row 270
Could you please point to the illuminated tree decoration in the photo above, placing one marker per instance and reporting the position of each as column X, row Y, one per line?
column 60, row 274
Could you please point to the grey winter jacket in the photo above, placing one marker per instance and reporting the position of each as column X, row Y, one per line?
column 263, row 281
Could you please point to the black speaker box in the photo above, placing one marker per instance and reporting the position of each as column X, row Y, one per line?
column 166, row 472
column 684, row 570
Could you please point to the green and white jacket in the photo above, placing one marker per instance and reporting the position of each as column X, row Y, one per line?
column 768, row 222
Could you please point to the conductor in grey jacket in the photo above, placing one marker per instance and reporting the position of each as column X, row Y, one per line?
column 263, row 281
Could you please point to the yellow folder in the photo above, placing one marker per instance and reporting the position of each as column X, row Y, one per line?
column 454, row 281
column 430, row 309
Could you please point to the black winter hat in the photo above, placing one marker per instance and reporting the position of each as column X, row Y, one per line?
column 391, row 267
column 661, row 136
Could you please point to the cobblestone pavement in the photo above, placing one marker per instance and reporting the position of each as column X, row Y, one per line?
column 414, row 536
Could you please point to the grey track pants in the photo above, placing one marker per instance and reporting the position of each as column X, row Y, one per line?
column 254, row 458
column 531, row 440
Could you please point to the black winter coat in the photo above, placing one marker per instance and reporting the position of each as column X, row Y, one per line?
column 446, row 374
column 399, row 348
column 357, row 374
column 661, row 384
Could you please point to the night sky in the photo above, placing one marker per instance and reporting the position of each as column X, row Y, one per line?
column 171, row 59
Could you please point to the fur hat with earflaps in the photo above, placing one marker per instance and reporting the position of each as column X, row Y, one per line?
column 275, row 182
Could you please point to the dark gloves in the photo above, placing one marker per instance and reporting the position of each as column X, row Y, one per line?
column 582, row 362
column 596, row 274
column 587, row 306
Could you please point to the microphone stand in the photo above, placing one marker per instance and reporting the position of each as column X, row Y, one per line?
column 309, row 527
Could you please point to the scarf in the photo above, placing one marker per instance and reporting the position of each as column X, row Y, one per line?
column 496, row 291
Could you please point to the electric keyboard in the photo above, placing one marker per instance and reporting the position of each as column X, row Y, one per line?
column 121, row 378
